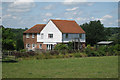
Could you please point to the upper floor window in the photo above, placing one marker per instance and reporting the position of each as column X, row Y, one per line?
column 50, row 35
column 66, row 35
column 80, row 35
column 42, row 35
column 27, row 35
column 33, row 35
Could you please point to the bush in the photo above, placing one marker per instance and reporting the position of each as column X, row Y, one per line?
column 61, row 47
column 23, row 50
column 54, row 52
column 80, row 55
column 117, row 47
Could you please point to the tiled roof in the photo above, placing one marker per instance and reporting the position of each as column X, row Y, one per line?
column 35, row 29
column 68, row 26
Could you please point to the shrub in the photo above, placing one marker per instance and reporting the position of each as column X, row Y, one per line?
column 23, row 50
column 117, row 47
column 70, row 45
column 54, row 52
column 61, row 47
column 47, row 56
column 40, row 56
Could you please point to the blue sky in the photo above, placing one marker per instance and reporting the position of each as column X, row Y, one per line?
column 27, row 14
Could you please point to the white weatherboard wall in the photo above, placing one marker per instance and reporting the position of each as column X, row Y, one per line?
column 72, row 36
column 50, row 28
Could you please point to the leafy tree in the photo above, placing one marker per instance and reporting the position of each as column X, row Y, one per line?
column 19, row 44
column 12, row 39
column 94, row 32
column 7, row 42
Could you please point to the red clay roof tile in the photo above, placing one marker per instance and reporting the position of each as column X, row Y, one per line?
column 35, row 29
column 68, row 26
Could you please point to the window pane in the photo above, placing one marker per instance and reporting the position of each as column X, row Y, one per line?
column 27, row 35
column 40, row 46
column 66, row 35
column 50, row 35
column 42, row 35
column 33, row 36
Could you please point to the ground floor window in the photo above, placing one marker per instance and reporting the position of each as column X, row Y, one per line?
column 27, row 45
column 33, row 45
column 50, row 46
column 40, row 46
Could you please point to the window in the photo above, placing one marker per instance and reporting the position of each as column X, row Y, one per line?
column 28, row 45
column 33, row 35
column 40, row 46
column 80, row 35
column 27, row 35
column 50, row 46
column 66, row 35
column 33, row 45
column 38, row 33
column 42, row 35
column 50, row 35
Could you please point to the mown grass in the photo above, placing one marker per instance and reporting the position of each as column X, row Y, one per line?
column 89, row 67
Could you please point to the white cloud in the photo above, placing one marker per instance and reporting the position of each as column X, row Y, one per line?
column 72, row 9
column 48, row 14
column 70, row 2
column 82, row 19
column 44, row 20
column 6, row 16
column 21, row 6
column 106, row 17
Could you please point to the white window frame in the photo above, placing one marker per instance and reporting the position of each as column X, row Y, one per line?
column 40, row 46
column 33, row 35
column 27, row 35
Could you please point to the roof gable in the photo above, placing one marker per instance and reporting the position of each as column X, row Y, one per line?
column 35, row 29
column 68, row 26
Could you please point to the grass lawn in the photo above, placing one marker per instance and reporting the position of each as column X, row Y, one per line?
column 89, row 67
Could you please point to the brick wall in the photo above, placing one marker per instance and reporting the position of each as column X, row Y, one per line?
column 29, row 40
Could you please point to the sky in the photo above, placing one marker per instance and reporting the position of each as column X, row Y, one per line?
column 27, row 14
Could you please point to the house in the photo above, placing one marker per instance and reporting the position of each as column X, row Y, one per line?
column 46, row 36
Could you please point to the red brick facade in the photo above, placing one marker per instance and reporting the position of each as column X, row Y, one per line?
column 29, row 40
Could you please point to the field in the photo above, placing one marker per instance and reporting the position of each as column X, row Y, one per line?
column 89, row 67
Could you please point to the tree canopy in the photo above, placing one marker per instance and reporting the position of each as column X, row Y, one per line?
column 94, row 32
column 12, row 39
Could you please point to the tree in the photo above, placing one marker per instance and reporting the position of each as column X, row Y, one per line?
column 94, row 32
column 19, row 44
column 7, row 42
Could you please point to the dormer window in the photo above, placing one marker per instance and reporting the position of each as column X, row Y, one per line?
column 33, row 35
column 27, row 35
